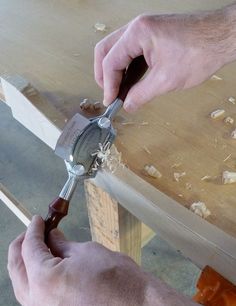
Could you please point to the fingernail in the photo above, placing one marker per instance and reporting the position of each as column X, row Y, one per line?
column 105, row 103
column 130, row 107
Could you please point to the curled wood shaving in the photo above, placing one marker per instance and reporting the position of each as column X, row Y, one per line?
column 200, row 209
column 113, row 160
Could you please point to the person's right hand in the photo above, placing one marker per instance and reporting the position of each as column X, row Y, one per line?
column 181, row 51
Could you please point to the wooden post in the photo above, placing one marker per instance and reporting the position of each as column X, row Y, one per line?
column 111, row 224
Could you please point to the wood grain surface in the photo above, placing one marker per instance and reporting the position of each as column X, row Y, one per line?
column 51, row 44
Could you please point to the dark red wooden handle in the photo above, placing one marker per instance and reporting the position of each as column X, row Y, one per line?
column 56, row 211
column 132, row 75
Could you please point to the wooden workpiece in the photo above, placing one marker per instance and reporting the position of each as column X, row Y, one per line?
column 51, row 44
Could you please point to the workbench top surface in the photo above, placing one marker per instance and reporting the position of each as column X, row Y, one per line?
column 51, row 44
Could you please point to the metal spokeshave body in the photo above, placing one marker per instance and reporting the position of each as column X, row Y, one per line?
column 84, row 142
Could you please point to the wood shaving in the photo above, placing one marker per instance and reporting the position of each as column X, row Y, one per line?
column 229, row 120
column 200, row 209
column 176, row 165
column 216, row 78
column 91, row 106
column 205, row 178
column 231, row 100
column 217, row 113
column 147, row 150
column 152, row 171
column 113, row 160
column 228, row 177
column 100, row 27
column 233, row 134
column 128, row 123
column 227, row 157
column 188, row 186
column 178, row 175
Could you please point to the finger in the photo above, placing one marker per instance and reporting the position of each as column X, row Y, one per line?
column 16, row 269
column 59, row 246
column 101, row 50
column 34, row 251
column 117, row 59
column 154, row 84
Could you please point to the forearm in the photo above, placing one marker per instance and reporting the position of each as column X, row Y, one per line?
column 214, row 31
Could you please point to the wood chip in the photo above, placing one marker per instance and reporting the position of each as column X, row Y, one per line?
column 128, row 123
column 178, row 175
column 229, row 120
column 188, row 186
column 233, row 134
column 228, row 177
column 200, row 209
column 231, row 100
column 100, row 27
column 87, row 105
column 176, row 165
column 217, row 113
column 152, row 171
column 147, row 150
column 216, row 78
column 205, row 178
column 227, row 158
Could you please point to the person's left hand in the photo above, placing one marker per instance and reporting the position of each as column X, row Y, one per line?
column 72, row 273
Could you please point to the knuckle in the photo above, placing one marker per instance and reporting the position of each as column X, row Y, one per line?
column 100, row 48
column 142, row 21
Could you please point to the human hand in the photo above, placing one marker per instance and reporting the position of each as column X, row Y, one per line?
column 181, row 51
column 72, row 273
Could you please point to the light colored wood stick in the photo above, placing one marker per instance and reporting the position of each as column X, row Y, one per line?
column 17, row 208
column 111, row 224
column 28, row 110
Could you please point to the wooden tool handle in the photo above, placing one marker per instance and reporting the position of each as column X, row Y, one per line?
column 56, row 211
column 132, row 75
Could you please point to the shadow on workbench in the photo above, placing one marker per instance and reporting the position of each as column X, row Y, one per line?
column 34, row 175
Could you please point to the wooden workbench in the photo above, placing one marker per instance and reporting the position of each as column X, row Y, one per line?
column 51, row 44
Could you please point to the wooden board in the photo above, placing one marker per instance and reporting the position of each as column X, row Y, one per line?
column 112, row 225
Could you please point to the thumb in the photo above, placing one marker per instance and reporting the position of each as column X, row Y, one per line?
column 154, row 84
column 58, row 244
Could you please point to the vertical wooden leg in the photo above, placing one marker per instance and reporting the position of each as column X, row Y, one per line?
column 111, row 224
